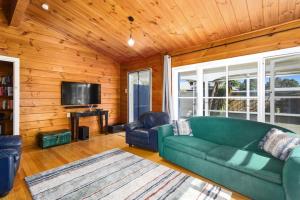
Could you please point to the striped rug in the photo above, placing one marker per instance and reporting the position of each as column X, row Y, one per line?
column 117, row 175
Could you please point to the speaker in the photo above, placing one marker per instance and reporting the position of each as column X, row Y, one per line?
column 83, row 133
column 115, row 128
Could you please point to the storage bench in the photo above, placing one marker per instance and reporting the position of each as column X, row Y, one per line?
column 54, row 138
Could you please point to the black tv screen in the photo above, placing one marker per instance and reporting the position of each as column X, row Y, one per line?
column 73, row 93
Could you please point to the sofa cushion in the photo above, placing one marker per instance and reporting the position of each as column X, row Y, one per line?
column 259, row 165
column 190, row 145
column 279, row 143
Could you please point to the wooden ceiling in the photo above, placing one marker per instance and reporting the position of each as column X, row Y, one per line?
column 160, row 25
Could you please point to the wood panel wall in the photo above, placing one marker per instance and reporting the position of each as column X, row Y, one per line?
column 47, row 58
column 257, row 44
column 156, row 64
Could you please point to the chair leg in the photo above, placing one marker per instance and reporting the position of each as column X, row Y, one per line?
column 130, row 145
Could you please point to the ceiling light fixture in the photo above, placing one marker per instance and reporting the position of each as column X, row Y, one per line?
column 45, row 6
column 130, row 40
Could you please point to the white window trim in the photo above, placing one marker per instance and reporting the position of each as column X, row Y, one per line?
column 258, row 58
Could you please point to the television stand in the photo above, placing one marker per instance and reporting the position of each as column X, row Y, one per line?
column 75, row 116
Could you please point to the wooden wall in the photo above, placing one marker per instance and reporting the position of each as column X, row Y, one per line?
column 47, row 58
column 260, row 43
column 156, row 64
column 267, row 42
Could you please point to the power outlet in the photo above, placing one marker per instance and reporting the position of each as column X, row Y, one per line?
column 68, row 115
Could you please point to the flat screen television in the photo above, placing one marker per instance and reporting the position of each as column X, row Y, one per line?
column 75, row 94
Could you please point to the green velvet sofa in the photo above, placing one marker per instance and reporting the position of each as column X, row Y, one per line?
column 226, row 151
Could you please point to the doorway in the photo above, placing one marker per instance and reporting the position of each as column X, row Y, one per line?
column 9, row 95
column 139, row 93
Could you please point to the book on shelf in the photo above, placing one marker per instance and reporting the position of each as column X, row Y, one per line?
column 6, row 88
column 6, row 80
column 6, row 104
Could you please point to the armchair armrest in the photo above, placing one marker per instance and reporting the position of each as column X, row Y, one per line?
column 163, row 131
column 11, row 142
column 133, row 125
column 291, row 175
column 8, row 159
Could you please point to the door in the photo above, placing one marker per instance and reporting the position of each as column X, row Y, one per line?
column 139, row 93
column 282, row 91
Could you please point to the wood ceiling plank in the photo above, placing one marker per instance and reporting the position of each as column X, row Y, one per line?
column 198, row 19
column 191, row 18
column 146, row 24
column 99, row 27
column 164, row 22
column 228, row 15
column 216, row 17
column 297, row 9
column 271, row 12
column 160, row 25
column 246, row 36
column 286, row 10
column 63, row 24
column 144, row 44
column 255, row 9
column 176, row 14
column 241, row 12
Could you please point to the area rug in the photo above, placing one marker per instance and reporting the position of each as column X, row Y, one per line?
column 117, row 175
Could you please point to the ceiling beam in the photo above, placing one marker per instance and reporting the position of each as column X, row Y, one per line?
column 269, row 31
column 16, row 11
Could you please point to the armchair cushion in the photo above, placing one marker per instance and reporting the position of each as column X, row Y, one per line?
column 152, row 119
column 140, row 132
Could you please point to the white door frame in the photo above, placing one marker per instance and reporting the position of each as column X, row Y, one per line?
column 16, row 90
column 258, row 58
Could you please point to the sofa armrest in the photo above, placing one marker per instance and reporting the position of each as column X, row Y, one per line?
column 291, row 175
column 131, row 126
column 163, row 131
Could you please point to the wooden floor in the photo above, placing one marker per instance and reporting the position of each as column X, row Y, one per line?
column 36, row 160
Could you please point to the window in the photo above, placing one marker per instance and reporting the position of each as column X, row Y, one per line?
column 214, row 81
column 262, row 87
column 187, row 94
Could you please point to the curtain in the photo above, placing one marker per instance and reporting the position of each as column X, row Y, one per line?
column 167, row 105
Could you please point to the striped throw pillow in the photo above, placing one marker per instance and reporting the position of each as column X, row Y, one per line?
column 182, row 127
column 279, row 143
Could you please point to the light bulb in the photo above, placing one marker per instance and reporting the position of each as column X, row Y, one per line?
column 131, row 42
column 45, row 6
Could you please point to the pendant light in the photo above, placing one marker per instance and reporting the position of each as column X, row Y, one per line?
column 130, row 40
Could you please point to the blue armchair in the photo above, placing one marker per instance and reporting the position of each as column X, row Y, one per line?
column 10, row 153
column 143, row 133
